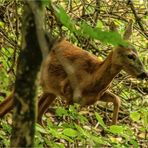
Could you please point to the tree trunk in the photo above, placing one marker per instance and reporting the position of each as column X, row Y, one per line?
column 29, row 62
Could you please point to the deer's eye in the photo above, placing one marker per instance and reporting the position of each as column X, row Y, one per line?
column 132, row 57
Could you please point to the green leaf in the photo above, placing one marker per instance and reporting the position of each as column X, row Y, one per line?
column 55, row 133
column 57, row 145
column 82, row 131
column 82, row 119
column 144, row 116
column 115, row 129
column 128, row 131
column 134, row 143
column 99, row 24
column 65, row 19
column 61, row 111
column 72, row 108
column 135, row 116
column 104, row 36
column 99, row 118
column 46, row 2
column 87, row 31
column 70, row 132
column 41, row 129
column 97, row 139
column 6, row 127
column 66, row 138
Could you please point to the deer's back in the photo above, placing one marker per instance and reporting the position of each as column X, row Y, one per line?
column 53, row 75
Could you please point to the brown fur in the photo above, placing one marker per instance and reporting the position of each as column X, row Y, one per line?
column 93, row 76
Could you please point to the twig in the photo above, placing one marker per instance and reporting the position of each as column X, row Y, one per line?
column 130, row 3
column 2, row 33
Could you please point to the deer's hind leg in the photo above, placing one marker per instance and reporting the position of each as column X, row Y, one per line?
column 6, row 105
column 43, row 104
column 110, row 97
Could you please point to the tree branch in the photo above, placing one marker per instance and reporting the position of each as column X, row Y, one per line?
column 130, row 3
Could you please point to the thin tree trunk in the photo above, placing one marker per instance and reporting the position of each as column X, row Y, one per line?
column 29, row 62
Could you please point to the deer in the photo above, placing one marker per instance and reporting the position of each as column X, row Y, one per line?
column 86, row 77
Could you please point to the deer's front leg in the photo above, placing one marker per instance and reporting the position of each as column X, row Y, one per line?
column 110, row 97
column 43, row 104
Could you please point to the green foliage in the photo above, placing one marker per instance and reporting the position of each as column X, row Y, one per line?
column 86, row 30
column 61, row 111
column 69, row 133
column 100, row 25
column 6, row 75
column 65, row 19
column 5, row 132
column 135, row 116
column 69, row 126
column 73, row 132
column 46, row 2
column 115, row 129
column 2, row 1
column 71, row 112
column 141, row 116
column 100, row 120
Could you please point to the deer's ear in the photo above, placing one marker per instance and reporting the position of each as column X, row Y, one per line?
column 128, row 30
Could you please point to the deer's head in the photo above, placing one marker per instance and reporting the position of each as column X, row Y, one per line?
column 128, row 59
column 127, row 56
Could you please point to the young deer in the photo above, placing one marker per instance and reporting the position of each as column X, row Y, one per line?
column 86, row 73
column 93, row 76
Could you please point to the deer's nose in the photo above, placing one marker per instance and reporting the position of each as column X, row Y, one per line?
column 143, row 75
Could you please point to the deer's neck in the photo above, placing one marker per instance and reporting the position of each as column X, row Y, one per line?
column 105, row 73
